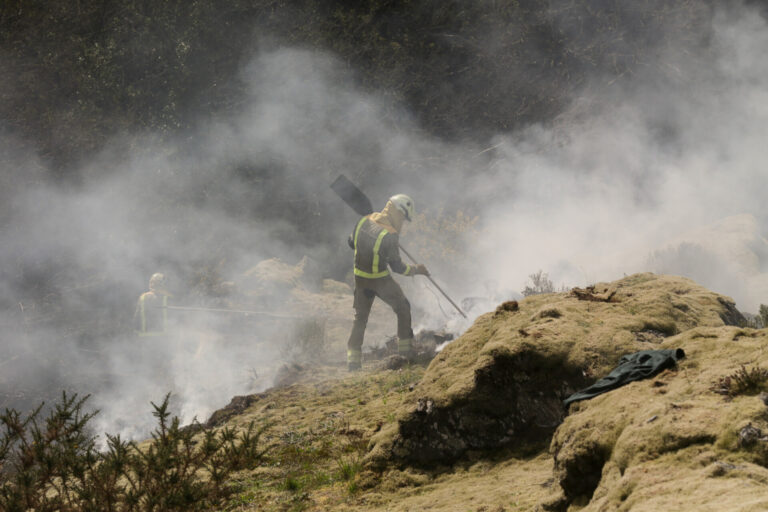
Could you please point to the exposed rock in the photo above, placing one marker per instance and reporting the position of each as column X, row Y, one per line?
column 730, row 315
column 547, row 312
column 429, row 337
column 424, row 406
column 749, row 435
column 395, row 362
column 650, row 336
column 235, row 407
column 425, row 345
column 508, row 306
column 591, row 294
column 289, row 374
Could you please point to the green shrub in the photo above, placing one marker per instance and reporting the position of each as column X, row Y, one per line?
column 348, row 469
column 742, row 382
column 292, row 484
column 53, row 464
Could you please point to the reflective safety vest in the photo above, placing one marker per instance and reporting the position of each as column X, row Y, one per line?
column 152, row 314
column 376, row 249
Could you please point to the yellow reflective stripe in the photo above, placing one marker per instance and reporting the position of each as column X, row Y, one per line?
column 143, row 314
column 357, row 230
column 376, row 247
column 408, row 269
column 363, row 273
column 354, row 356
column 165, row 312
column 143, row 311
column 354, row 241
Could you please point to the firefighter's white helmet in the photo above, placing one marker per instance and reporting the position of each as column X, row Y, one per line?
column 405, row 204
column 157, row 282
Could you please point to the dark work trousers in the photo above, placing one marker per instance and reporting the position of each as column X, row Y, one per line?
column 390, row 292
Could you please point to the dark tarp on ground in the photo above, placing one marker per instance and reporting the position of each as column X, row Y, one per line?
column 637, row 366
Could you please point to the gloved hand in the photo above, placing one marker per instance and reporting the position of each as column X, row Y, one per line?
column 420, row 269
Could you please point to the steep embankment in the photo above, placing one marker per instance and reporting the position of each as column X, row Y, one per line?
column 502, row 383
column 483, row 428
column 672, row 442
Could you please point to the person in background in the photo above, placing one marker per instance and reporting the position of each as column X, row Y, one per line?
column 151, row 316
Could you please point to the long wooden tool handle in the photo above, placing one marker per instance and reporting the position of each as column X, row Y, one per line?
column 435, row 284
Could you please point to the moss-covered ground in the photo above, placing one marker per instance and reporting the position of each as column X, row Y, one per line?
column 320, row 430
column 691, row 438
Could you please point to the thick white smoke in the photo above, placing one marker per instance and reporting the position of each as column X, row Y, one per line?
column 586, row 198
column 590, row 198
column 144, row 206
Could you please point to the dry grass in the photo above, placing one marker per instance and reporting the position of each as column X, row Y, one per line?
column 571, row 339
column 322, row 426
column 742, row 382
column 667, row 443
column 321, row 430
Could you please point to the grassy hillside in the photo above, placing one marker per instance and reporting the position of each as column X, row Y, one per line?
column 690, row 438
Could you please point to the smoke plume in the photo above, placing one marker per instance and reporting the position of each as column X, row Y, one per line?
column 629, row 168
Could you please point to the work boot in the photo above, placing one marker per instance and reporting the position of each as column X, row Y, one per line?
column 354, row 360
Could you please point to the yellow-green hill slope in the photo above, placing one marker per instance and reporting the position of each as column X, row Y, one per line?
column 502, row 383
column 483, row 427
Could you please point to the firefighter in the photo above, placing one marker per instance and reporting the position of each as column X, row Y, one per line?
column 157, row 342
column 151, row 316
column 375, row 241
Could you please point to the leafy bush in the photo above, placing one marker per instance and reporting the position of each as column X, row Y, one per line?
column 54, row 465
column 348, row 468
